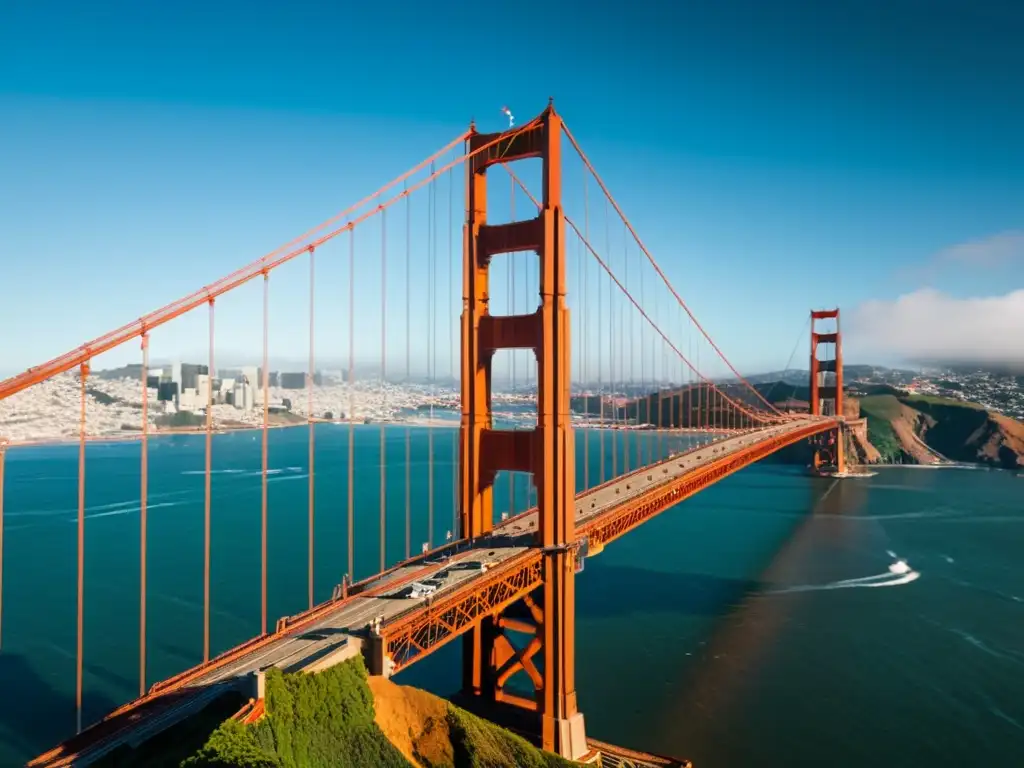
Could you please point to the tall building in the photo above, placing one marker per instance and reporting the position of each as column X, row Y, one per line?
column 244, row 396
column 293, row 381
column 172, row 373
column 203, row 385
column 190, row 373
column 167, row 391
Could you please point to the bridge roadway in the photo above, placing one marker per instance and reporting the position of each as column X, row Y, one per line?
column 410, row 626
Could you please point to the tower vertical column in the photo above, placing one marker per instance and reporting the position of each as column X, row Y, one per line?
column 546, row 452
column 562, row 727
column 476, row 497
column 476, row 501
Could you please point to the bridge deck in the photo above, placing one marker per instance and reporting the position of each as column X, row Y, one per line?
column 338, row 629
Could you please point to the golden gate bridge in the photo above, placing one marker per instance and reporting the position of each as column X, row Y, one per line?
column 504, row 580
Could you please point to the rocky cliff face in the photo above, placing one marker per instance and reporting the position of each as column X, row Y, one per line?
column 971, row 434
column 924, row 430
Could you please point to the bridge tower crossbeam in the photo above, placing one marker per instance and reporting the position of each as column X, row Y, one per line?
column 546, row 616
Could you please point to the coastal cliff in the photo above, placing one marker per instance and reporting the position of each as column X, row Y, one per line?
column 915, row 429
column 901, row 428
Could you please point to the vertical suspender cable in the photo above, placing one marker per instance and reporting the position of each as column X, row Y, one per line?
column 451, row 354
column 143, row 512
column 82, row 376
column 689, row 384
column 383, row 385
column 513, row 353
column 611, row 343
column 207, row 485
column 679, row 384
column 586, row 283
column 309, row 415
column 667, row 376
column 600, row 373
column 660, row 384
column 636, row 403
column 431, row 343
column 266, row 435
column 647, row 402
column 581, row 381
column 408, row 371
column 351, row 400
column 433, row 347
column 701, row 418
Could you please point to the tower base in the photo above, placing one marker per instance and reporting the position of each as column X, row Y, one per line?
column 572, row 736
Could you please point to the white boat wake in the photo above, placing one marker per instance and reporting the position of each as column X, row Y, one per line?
column 899, row 573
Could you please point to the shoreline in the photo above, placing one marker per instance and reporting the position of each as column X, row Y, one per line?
column 158, row 433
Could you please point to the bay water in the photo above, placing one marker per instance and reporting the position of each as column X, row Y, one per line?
column 764, row 621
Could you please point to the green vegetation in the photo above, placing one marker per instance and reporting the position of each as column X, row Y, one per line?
column 882, row 436
column 915, row 401
column 480, row 744
column 327, row 719
column 104, row 399
column 312, row 720
column 878, row 389
column 881, row 407
column 181, row 419
column 880, row 410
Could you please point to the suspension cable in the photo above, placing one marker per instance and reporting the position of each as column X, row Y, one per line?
column 604, row 265
column 261, row 266
column 789, row 361
column 661, row 274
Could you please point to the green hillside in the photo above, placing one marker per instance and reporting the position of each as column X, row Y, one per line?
column 326, row 720
column 880, row 410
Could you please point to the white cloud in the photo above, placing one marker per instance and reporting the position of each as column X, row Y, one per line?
column 928, row 324
column 991, row 251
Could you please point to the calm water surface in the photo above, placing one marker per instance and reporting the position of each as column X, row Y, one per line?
column 758, row 623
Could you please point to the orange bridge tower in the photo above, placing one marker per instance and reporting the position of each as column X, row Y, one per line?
column 543, row 620
column 826, row 398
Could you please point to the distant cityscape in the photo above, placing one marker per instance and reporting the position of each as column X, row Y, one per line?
column 178, row 395
column 996, row 391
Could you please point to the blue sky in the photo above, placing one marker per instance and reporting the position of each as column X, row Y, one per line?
column 773, row 156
